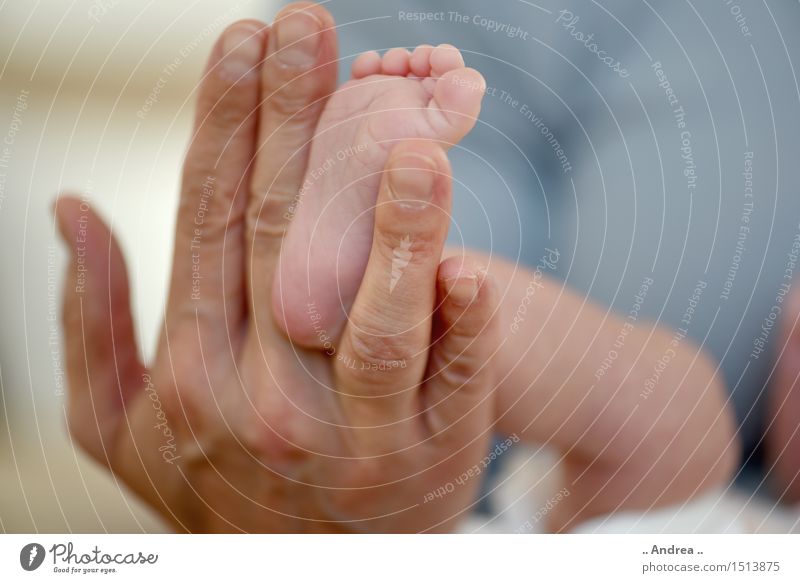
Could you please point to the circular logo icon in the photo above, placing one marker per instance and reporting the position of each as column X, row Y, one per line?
column 31, row 556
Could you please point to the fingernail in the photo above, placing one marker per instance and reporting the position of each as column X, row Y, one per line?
column 411, row 179
column 462, row 289
column 297, row 38
column 241, row 49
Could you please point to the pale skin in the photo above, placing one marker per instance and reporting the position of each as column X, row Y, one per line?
column 270, row 437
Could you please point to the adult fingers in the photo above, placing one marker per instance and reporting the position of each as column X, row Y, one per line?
column 783, row 431
column 460, row 381
column 102, row 360
column 298, row 75
column 208, row 270
column 383, row 350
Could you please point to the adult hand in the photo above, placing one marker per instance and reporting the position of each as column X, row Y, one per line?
column 232, row 428
column 783, row 427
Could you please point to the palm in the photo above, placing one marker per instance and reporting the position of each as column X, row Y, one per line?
column 233, row 428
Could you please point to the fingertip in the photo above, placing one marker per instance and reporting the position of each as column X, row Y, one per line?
column 411, row 179
column 418, row 174
column 300, row 35
column 300, row 69
column 464, row 282
column 66, row 209
column 317, row 11
column 241, row 50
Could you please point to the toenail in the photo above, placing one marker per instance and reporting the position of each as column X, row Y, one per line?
column 241, row 49
column 411, row 179
column 297, row 38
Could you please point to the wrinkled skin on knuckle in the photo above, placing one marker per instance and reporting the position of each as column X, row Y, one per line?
column 224, row 114
column 379, row 348
column 425, row 243
column 294, row 99
column 459, row 373
column 269, row 216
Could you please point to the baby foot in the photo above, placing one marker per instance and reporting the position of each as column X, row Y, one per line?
column 427, row 95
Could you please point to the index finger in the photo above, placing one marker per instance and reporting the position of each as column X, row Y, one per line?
column 383, row 352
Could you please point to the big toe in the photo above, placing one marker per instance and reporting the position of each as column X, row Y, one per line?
column 445, row 58
column 456, row 101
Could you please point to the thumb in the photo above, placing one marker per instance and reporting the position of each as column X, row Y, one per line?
column 103, row 366
column 460, row 385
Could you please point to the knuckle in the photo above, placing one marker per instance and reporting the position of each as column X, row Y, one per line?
column 376, row 350
column 268, row 438
column 222, row 115
column 456, row 371
column 208, row 198
column 393, row 237
column 287, row 104
column 270, row 210
column 182, row 388
column 272, row 431
column 292, row 97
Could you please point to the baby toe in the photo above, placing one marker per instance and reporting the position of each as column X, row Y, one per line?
column 366, row 64
column 395, row 62
column 445, row 58
column 456, row 101
column 420, row 62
